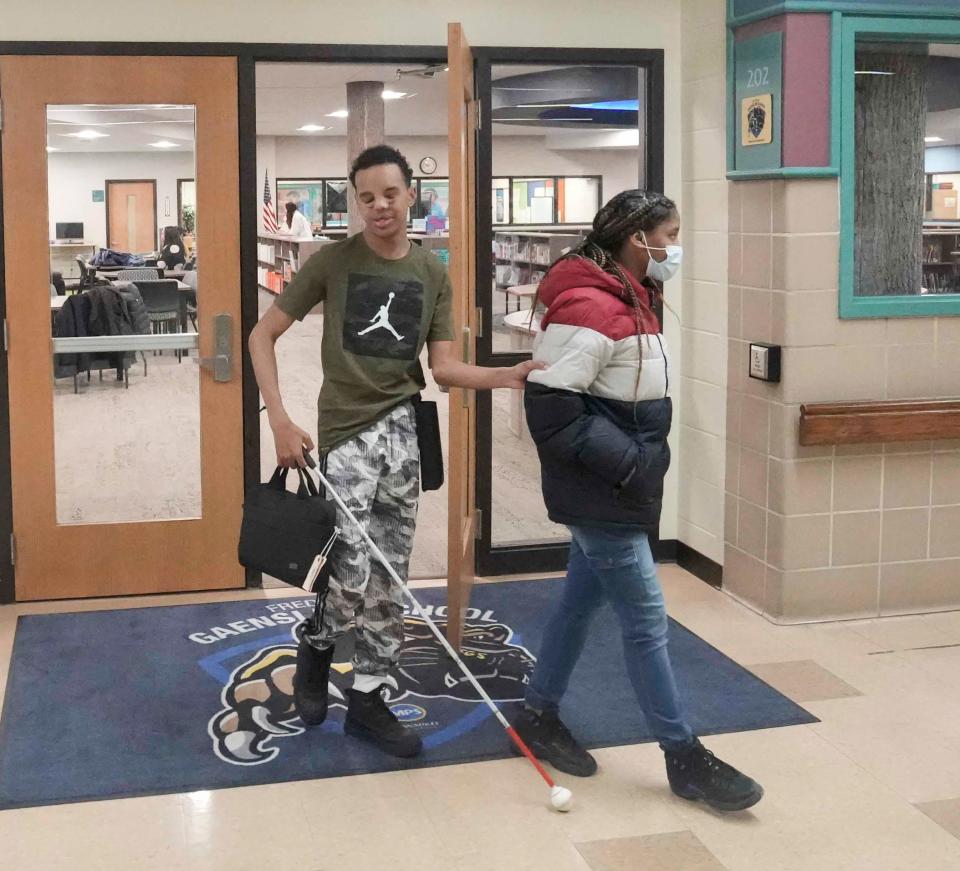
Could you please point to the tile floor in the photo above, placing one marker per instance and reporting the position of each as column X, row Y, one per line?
column 874, row 786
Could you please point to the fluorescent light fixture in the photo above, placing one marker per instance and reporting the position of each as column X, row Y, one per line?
column 87, row 134
column 51, row 148
column 538, row 118
column 933, row 139
column 610, row 105
column 394, row 95
column 340, row 113
column 163, row 143
column 873, row 73
column 312, row 128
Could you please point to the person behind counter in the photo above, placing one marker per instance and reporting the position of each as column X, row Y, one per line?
column 296, row 224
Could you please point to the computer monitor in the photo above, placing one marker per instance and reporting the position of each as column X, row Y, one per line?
column 70, row 231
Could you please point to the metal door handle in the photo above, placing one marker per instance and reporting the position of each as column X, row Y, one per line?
column 221, row 363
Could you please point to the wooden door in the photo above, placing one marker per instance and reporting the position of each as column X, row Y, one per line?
column 132, row 215
column 55, row 556
column 462, row 514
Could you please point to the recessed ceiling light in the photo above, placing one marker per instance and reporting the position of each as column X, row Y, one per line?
column 87, row 134
column 163, row 143
column 537, row 118
column 933, row 139
column 340, row 113
column 312, row 128
column 873, row 73
column 394, row 95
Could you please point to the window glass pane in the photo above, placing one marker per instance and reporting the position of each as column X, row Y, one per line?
column 433, row 204
column 580, row 200
column 533, row 200
column 126, row 424
column 907, row 239
column 305, row 194
column 518, row 514
column 336, row 192
column 501, row 201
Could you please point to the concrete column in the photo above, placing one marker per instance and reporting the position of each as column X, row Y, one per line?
column 364, row 128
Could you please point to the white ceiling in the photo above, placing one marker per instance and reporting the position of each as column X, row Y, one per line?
column 127, row 128
column 290, row 95
column 946, row 125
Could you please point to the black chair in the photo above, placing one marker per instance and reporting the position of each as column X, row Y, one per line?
column 85, row 275
column 165, row 304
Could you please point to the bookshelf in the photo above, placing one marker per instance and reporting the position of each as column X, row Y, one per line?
column 523, row 256
column 941, row 257
column 279, row 258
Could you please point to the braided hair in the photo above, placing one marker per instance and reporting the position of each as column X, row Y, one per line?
column 627, row 213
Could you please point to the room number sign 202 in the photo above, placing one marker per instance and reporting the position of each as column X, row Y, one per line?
column 757, row 77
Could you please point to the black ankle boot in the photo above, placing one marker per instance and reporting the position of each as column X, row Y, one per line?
column 697, row 775
column 550, row 740
column 310, row 683
column 369, row 719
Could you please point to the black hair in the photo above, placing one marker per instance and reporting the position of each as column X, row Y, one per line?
column 172, row 236
column 380, row 155
column 291, row 211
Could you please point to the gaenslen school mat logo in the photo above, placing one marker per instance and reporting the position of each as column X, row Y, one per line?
column 257, row 694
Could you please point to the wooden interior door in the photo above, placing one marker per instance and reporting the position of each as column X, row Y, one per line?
column 462, row 513
column 132, row 215
column 59, row 559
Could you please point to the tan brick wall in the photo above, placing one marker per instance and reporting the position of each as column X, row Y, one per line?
column 703, row 202
column 829, row 532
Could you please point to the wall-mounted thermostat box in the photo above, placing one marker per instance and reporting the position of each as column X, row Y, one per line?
column 764, row 362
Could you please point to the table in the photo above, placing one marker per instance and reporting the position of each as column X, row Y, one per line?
column 521, row 292
column 109, row 271
column 63, row 257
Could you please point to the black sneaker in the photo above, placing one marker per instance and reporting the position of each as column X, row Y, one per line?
column 310, row 683
column 550, row 741
column 697, row 775
column 369, row 719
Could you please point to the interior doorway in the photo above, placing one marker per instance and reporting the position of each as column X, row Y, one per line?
column 565, row 130
column 131, row 214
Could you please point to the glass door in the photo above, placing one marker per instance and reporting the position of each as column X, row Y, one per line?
column 561, row 134
column 124, row 347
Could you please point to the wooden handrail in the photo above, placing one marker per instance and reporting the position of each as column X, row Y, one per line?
column 845, row 423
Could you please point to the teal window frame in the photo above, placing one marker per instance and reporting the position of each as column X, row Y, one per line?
column 893, row 29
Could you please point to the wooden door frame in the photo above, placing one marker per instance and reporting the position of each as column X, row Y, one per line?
column 247, row 56
column 106, row 197
column 547, row 557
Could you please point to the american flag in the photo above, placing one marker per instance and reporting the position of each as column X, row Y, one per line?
column 269, row 216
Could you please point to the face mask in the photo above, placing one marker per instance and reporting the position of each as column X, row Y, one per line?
column 663, row 270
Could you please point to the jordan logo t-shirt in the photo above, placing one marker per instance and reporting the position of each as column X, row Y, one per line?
column 378, row 314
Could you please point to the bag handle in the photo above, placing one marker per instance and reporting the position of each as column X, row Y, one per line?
column 305, row 490
column 307, row 486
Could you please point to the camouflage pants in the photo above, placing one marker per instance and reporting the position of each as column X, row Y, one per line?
column 377, row 475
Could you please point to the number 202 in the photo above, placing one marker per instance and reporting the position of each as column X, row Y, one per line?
column 758, row 76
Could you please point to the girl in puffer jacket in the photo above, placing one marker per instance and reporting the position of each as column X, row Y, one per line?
column 600, row 414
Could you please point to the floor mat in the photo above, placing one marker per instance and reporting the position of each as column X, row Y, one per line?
column 142, row 701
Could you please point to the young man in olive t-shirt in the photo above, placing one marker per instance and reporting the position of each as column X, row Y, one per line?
column 383, row 299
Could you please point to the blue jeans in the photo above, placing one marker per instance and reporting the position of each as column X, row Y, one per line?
column 619, row 568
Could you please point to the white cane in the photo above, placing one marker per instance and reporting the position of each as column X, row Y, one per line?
column 560, row 798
